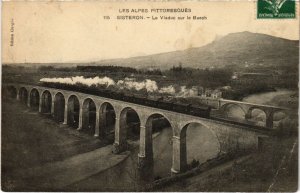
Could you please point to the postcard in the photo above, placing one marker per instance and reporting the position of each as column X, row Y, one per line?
column 139, row 96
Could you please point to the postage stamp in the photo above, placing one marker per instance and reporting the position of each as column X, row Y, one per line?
column 276, row 9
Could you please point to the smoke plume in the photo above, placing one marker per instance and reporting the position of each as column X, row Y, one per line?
column 80, row 79
column 128, row 83
column 149, row 85
column 167, row 90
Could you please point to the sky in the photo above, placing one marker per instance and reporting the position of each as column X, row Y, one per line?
column 58, row 32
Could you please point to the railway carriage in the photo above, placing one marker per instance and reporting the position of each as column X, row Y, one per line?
column 191, row 109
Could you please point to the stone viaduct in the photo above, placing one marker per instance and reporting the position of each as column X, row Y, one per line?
column 69, row 107
column 222, row 105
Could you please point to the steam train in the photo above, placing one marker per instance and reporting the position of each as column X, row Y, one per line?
column 190, row 109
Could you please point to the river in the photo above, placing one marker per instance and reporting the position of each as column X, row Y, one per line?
column 268, row 97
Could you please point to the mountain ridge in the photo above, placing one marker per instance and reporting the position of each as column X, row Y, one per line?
column 232, row 49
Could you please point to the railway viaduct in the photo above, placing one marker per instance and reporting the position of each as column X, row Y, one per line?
column 222, row 105
column 248, row 108
column 75, row 108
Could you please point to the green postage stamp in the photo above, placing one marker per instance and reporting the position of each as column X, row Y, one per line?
column 276, row 9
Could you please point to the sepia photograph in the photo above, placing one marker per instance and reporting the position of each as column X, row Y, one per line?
column 149, row 96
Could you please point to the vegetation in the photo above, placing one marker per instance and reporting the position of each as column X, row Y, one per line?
column 106, row 69
column 176, row 76
column 207, row 78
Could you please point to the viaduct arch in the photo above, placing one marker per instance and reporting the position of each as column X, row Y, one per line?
column 89, row 116
column 248, row 109
column 107, row 120
column 46, row 102
column 34, row 98
column 59, row 107
column 73, row 111
column 23, row 95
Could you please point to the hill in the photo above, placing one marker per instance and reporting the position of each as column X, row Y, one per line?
column 236, row 49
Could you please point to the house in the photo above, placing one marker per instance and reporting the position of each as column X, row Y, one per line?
column 216, row 94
